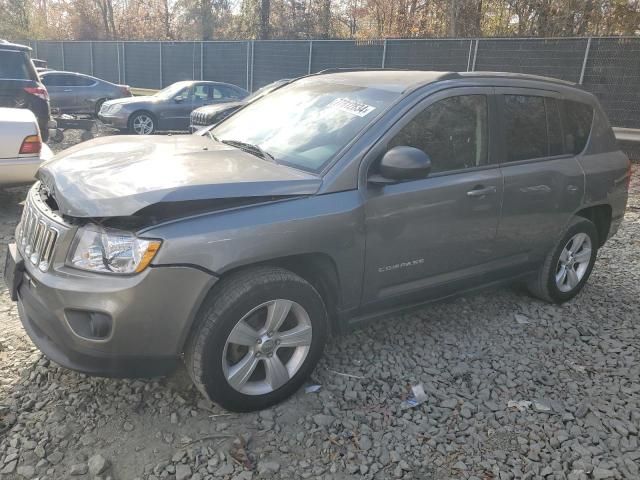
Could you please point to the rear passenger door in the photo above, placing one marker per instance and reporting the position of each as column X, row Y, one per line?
column 543, row 182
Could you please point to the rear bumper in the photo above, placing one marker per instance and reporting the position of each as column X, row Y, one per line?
column 151, row 315
column 19, row 171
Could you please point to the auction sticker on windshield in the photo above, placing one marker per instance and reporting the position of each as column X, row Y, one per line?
column 352, row 107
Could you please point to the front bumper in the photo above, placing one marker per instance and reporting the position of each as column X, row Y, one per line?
column 151, row 315
column 115, row 121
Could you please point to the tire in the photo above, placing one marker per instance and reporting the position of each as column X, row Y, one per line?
column 98, row 106
column 143, row 117
column 214, row 360
column 566, row 286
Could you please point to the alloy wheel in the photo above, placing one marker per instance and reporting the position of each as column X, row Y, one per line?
column 143, row 124
column 267, row 347
column 573, row 262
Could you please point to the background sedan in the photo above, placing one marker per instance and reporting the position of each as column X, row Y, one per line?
column 169, row 109
column 78, row 93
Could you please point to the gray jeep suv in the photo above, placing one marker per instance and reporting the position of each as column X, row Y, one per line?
column 336, row 199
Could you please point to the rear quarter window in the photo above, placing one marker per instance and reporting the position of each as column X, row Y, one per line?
column 16, row 66
column 577, row 119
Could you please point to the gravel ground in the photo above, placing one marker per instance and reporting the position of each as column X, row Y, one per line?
column 515, row 388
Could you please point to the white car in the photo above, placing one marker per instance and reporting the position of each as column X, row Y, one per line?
column 21, row 147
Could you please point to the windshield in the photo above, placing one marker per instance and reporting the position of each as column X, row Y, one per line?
column 172, row 90
column 306, row 123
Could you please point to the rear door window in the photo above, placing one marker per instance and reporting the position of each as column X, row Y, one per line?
column 577, row 119
column 52, row 80
column 525, row 127
column 228, row 93
column 15, row 66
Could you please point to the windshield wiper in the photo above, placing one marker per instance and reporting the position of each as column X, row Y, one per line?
column 248, row 147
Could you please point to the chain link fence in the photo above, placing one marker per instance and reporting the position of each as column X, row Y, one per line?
column 608, row 67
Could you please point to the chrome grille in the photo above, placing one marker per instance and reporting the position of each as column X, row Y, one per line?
column 198, row 118
column 36, row 236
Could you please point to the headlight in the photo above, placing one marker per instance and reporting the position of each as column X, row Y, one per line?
column 111, row 108
column 104, row 250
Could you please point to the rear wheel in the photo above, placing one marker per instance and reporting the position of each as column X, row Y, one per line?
column 142, row 123
column 567, row 267
column 257, row 339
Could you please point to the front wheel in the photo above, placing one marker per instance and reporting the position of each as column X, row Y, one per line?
column 257, row 339
column 567, row 267
column 142, row 123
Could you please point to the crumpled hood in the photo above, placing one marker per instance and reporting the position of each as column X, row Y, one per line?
column 118, row 176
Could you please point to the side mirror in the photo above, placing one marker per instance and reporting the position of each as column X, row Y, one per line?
column 178, row 99
column 402, row 163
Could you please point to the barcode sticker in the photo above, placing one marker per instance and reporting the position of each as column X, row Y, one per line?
column 352, row 107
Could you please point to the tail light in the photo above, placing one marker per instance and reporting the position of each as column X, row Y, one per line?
column 125, row 90
column 31, row 145
column 39, row 92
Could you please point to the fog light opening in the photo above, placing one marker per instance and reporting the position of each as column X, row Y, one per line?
column 90, row 325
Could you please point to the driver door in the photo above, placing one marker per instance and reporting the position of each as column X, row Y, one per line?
column 438, row 232
column 178, row 109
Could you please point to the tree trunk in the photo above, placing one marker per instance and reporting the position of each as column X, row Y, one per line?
column 453, row 13
column 265, row 12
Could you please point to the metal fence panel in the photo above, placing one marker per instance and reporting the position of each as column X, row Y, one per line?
column 442, row 55
column 106, row 63
column 274, row 60
column 142, row 64
column 51, row 52
column 77, row 57
column 180, row 61
column 346, row 54
column 559, row 58
column 612, row 69
column 613, row 74
column 226, row 62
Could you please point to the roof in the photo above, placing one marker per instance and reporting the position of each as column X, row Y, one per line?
column 5, row 45
column 392, row 80
column 402, row 80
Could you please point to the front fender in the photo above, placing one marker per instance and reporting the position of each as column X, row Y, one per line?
column 223, row 241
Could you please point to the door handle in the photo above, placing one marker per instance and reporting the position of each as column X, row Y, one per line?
column 481, row 191
column 67, row 90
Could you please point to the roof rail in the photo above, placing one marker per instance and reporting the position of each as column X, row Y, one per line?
column 15, row 46
column 352, row 69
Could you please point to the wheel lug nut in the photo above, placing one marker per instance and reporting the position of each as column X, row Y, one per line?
column 258, row 355
column 269, row 334
column 259, row 341
column 270, row 355
column 277, row 342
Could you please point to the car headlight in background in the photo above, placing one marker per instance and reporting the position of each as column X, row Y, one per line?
column 111, row 109
column 103, row 250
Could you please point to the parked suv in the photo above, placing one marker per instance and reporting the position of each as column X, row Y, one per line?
column 335, row 199
column 20, row 86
